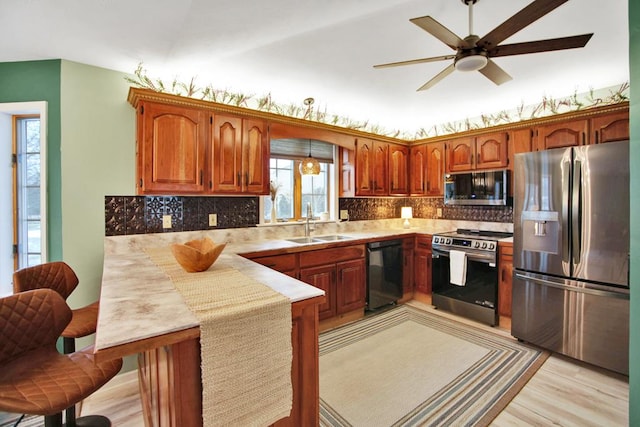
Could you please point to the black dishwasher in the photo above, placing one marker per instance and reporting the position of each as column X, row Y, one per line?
column 384, row 273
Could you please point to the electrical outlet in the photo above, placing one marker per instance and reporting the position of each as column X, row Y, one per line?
column 213, row 220
column 344, row 214
column 439, row 212
column 166, row 221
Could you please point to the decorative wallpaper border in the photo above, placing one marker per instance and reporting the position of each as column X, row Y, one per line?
column 546, row 107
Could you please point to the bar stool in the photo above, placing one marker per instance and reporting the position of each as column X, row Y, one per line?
column 35, row 378
column 62, row 279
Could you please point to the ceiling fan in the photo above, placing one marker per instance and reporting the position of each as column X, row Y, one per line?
column 474, row 53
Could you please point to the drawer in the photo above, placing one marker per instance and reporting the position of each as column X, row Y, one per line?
column 423, row 242
column 331, row 256
column 278, row 262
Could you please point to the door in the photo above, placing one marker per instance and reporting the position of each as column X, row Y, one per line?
column 460, row 154
column 418, row 169
column 435, row 169
column 350, row 286
column 600, row 213
column 322, row 277
column 541, row 211
column 226, row 156
column 586, row 322
column 255, row 157
column 398, row 170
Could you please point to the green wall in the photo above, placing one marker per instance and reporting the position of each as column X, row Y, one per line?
column 634, row 350
column 40, row 81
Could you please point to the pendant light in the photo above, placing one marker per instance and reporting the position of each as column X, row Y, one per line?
column 309, row 165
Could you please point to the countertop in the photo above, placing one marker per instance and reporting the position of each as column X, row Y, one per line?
column 138, row 302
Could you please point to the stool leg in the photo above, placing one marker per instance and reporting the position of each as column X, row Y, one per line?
column 69, row 346
column 54, row 420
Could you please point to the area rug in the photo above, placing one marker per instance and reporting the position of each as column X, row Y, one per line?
column 9, row 420
column 408, row 367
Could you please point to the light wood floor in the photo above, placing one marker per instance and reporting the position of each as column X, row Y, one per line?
column 562, row 393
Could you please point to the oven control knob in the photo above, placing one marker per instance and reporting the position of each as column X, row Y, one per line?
column 449, row 240
column 484, row 245
column 492, row 246
column 476, row 244
column 436, row 239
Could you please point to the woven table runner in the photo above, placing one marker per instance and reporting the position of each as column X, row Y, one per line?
column 245, row 342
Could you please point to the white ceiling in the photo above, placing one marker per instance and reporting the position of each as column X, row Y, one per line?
column 325, row 49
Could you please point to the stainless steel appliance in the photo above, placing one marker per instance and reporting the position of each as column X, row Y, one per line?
column 476, row 188
column 571, row 252
column 477, row 296
column 384, row 275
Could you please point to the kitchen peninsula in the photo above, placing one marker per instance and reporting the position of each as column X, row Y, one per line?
column 142, row 313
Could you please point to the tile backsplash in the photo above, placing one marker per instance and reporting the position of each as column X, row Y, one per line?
column 125, row 215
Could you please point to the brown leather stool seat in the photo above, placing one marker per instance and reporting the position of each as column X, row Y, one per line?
column 62, row 279
column 35, row 378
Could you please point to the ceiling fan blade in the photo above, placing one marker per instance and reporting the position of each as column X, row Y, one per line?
column 415, row 61
column 439, row 31
column 524, row 17
column 493, row 72
column 540, row 46
column 444, row 73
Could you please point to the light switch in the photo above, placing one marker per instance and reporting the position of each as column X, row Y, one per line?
column 213, row 220
column 166, row 221
column 439, row 212
column 344, row 214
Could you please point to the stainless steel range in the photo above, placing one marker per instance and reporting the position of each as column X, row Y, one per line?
column 465, row 273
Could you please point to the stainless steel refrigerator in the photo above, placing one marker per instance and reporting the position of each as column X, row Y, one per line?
column 571, row 252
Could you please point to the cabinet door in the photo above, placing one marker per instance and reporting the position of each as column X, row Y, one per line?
column 350, row 286
column 227, row 154
column 610, row 128
column 398, row 170
column 491, row 151
column 520, row 141
column 380, row 169
column 171, row 149
column 565, row 134
column 323, row 277
column 422, row 265
column 435, row 169
column 364, row 165
column 347, row 172
column 505, row 279
column 459, row 156
column 418, row 170
column 255, row 157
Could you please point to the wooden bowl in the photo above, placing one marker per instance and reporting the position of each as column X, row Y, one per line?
column 197, row 255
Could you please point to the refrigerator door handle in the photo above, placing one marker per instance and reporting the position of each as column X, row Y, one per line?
column 576, row 213
column 591, row 291
column 565, row 211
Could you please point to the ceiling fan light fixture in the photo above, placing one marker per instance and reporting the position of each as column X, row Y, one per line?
column 471, row 62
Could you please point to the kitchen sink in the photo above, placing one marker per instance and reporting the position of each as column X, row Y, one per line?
column 304, row 240
column 333, row 237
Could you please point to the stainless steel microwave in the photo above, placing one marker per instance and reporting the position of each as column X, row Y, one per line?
column 476, row 188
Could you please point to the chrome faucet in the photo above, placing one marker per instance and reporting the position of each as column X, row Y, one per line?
column 307, row 225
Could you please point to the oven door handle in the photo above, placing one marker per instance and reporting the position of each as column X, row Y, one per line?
column 436, row 253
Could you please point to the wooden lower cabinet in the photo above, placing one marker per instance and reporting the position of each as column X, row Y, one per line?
column 407, row 269
column 341, row 274
column 287, row 263
column 505, row 278
column 422, row 264
column 171, row 389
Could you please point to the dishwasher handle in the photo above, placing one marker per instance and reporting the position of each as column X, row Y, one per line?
column 384, row 244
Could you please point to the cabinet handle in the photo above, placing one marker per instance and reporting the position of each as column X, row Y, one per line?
column 479, row 161
column 584, row 138
column 238, row 179
column 371, row 184
column 201, row 178
column 246, row 178
column 596, row 136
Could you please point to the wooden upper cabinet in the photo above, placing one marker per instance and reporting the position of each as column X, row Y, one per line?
column 610, row 128
column 459, row 154
column 240, row 156
column 347, row 165
column 481, row 152
column 172, row 145
column 435, row 169
column 491, row 151
column 255, row 157
column 564, row 134
column 398, row 170
column 372, row 159
column 226, row 153
column 418, row 170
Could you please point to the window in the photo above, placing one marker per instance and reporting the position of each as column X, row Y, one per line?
column 28, row 218
column 296, row 190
